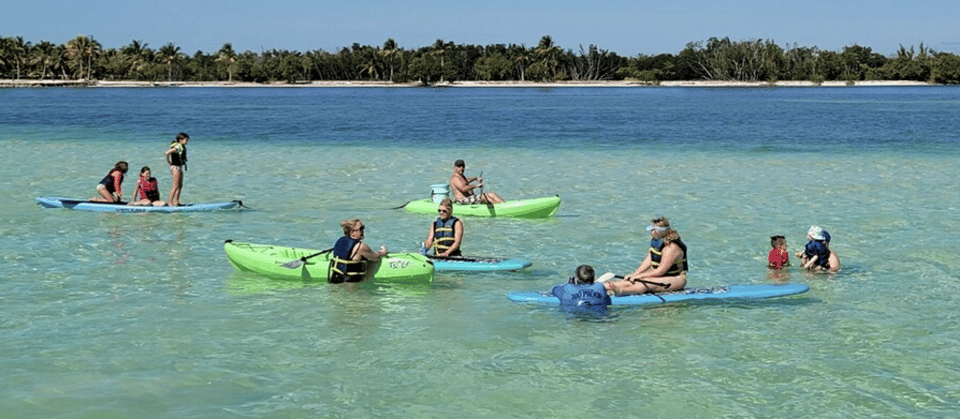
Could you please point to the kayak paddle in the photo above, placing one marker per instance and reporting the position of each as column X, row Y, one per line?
column 296, row 263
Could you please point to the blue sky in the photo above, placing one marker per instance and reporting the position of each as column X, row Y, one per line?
column 627, row 27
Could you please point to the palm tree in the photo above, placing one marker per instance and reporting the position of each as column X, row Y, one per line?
column 439, row 50
column 390, row 53
column 547, row 53
column 83, row 48
column 137, row 55
column 169, row 54
column 227, row 56
column 520, row 56
column 43, row 55
column 16, row 51
column 369, row 62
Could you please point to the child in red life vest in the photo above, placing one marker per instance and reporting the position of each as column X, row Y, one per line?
column 778, row 258
column 146, row 191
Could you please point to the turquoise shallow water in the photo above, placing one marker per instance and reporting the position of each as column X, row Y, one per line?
column 122, row 315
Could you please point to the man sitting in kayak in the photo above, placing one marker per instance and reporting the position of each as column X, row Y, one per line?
column 665, row 263
column 446, row 232
column 462, row 189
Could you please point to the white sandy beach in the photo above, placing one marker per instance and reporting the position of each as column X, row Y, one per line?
column 619, row 83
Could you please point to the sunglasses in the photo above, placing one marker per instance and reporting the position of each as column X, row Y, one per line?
column 443, row 210
column 360, row 229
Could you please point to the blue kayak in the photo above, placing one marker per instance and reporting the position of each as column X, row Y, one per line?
column 703, row 293
column 85, row 205
column 478, row 263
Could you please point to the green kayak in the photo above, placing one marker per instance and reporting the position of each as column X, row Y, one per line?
column 281, row 262
column 521, row 208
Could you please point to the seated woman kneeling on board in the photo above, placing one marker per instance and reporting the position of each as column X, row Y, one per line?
column 446, row 232
column 350, row 254
column 665, row 263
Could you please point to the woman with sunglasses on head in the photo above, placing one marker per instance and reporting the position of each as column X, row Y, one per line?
column 665, row 263
column 350, row 254
column 446, row 232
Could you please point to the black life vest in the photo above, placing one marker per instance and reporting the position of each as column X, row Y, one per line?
column 179, row 157
column 342, row 267
column 444, row 235
column 108, row 180
column 656, row 253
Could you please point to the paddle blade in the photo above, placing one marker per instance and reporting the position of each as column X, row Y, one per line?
column 606, row 277
column 293, row 264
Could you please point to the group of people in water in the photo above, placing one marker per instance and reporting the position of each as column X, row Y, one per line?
column 663, row 268
column 351, row 254
column 146, row 191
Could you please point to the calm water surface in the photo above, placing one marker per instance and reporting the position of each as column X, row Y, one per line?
column 126, row 315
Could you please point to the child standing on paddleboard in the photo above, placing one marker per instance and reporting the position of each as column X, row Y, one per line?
column 177, row 158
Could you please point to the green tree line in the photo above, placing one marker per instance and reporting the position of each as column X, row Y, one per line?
column 83, row 58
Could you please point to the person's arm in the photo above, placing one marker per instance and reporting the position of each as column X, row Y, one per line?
column 644, row 265
column 136, row 189
column 428, row 243
column 116, row 184
column 365, row 252
column 171, row 150
column 457, row 237
column 810, row 262
column 460, row 185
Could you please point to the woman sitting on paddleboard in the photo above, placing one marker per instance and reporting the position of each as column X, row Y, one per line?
column 109, row 187
column 350, row 254
column 666, row 262
column 146, row 191
column 446, row 232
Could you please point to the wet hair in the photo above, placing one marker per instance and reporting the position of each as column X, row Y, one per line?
column 459, row 163
column 447, row 202
column 585, row 274
column 144, row 169
column 776, row 241
column 121, row 166
column 348, row 225
column 182, row 136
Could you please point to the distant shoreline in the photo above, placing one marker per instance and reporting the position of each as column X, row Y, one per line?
column 687, row 83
